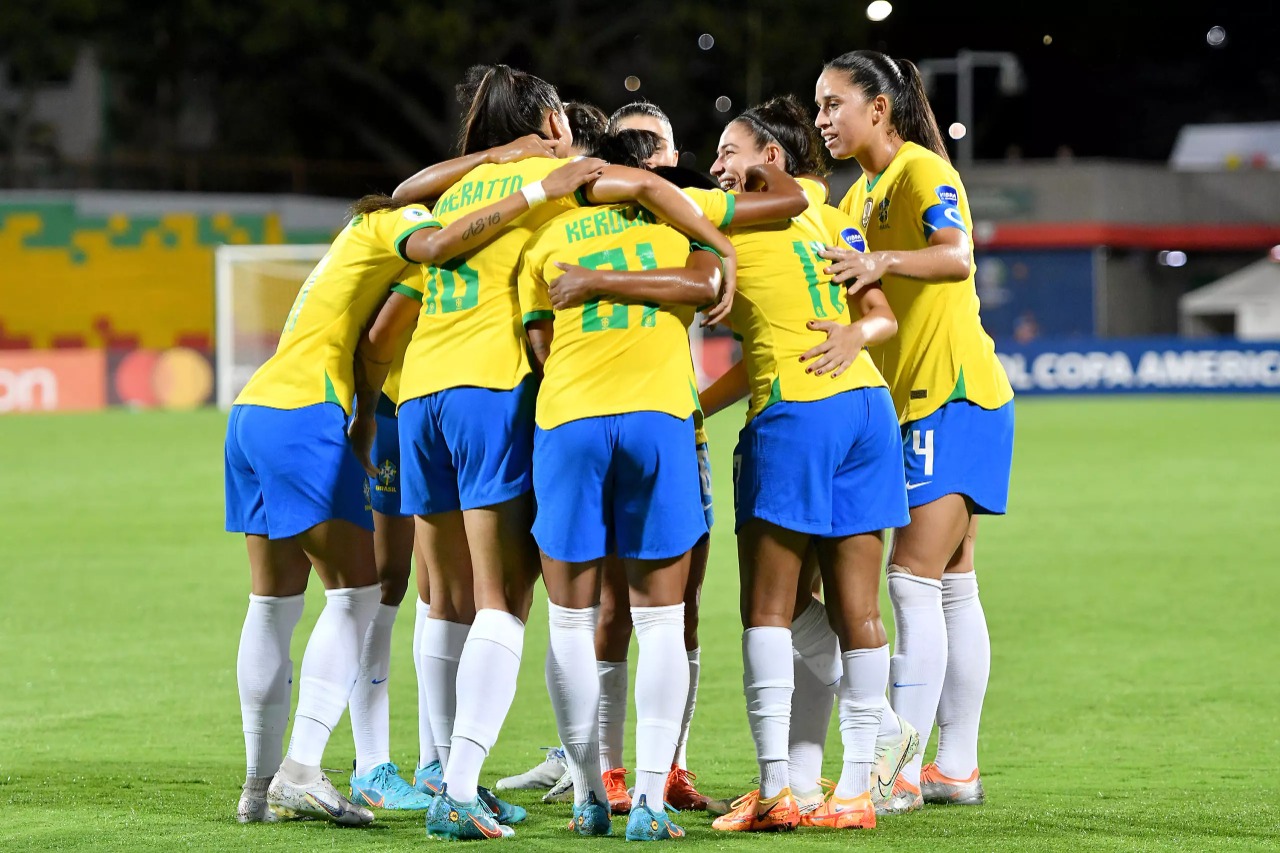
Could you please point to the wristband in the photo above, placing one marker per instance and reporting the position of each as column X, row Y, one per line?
column 534, row 193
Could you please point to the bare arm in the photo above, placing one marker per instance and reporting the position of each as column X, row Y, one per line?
column 947, row 260
column 434, row 246
column 540, row 334
column 725, row 391
column 773, row 196
column 696, row 283
column 429, row 184
column 845, row 340
column 374, row 354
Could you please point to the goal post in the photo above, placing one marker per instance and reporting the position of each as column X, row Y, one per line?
column 254, row 286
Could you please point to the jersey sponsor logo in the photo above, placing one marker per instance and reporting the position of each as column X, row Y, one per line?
column 415, row 214
column 919, row 394
column 947, row 195
column 853, row 239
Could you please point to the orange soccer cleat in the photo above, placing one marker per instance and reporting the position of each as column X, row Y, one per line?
column 615, row 790
column 752, row 814
column 681, row 794
column 836, row 813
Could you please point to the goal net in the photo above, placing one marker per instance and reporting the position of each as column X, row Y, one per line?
column 255, row 287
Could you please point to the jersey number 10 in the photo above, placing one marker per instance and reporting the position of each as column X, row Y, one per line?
column 618, row 316
column 442, row 288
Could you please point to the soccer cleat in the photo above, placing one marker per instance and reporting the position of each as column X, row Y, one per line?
column 319, row 799
column 504, row 812
column 428, row 778
column 615, row 789
column 681, row 794
column 591, row 818
column 382, row 788
column 645, row 824
column 893, row 752
column 836, row 813
column 808, row 801
column 541, row 777
column 905, row 798
column 562, row 791
column 471, row 821
column 752, row 814
column 943, row 790
column 252, row 807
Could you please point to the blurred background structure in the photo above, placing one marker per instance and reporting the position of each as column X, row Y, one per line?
column 1118, row 157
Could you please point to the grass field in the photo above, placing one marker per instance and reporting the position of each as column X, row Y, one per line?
column 1132, row 596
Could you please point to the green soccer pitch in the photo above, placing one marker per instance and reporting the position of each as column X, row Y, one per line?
column 1132, row 596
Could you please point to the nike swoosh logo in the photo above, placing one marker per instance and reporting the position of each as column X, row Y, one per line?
column 336, row 811
column 913, row 684
column 911, row 486
column 380, row 680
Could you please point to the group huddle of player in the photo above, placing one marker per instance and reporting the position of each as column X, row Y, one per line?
column 489, row 374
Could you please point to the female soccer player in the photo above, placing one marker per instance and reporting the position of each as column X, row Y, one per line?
column 951, row 394
column 467, row 426
column 297, row 494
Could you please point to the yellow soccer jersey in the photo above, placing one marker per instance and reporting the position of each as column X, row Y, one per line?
column 608, row 358
column 470, row 332
column 313, row 361
column 941, row 352
column 772, row 309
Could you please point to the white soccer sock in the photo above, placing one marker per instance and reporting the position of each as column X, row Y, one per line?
column 866, row 673
column 812, row 637
column 768, row 682
column 695, row 674
column 888, row 720
column 492, row 656
column 919, row 662
column 662, row 687
column 811, row 704
column 426, row 739
column 968, row 667
column 613, row 712
column 574, row 688
column 370, row 711
column 264, row 674
column 442, row 643
column 329, row 668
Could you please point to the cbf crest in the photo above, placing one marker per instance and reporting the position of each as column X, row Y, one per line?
column 387, row 476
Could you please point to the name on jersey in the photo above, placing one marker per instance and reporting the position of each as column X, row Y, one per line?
column 473, row 192
column 605, row 222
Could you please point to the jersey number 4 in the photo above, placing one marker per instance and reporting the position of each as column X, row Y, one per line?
column 922, row 444
column 443, row 285
column 619, row 316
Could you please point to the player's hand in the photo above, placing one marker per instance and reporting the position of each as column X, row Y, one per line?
column 361, row 434
column 854, row 269
column 835, row 354
column 572, row 289
column 572, row 175
column 523, row 148
column 719, row 312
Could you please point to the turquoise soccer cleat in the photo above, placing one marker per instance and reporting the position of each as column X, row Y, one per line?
column 451, row 820
column 645, row 824
column 591, row 818
column 429, row 778
column 382, row 788
column 506, row 813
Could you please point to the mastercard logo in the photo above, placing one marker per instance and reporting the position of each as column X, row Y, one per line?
column 178, row 378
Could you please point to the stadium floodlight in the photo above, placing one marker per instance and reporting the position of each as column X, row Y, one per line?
column 878, row 10
column 254, row 287
column 1011, row 82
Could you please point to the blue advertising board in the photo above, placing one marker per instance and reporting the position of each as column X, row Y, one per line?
column 1030, row 294
column 1142, row 366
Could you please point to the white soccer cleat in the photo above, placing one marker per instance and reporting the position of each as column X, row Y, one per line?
column 319, row 800
column 561, row 791
column 252, row 807
column 942, row 790
column 893, row 752
column 541, row 777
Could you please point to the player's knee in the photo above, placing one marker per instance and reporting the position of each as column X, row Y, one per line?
column 394, row 587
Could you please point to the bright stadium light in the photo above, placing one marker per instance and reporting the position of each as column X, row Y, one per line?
column 723, row 104
column 957, row 130
column 632, row 83
column 1171, row 258
column 706, row 41
column 878, row 10
column 1216, row 37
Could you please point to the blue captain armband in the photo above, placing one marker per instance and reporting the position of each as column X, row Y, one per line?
column 942, row 216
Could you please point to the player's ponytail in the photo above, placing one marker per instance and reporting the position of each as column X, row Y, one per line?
column 628, row 147
column 373, row 203
column 784, row 122
column 500, row 105
column 898, row 80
